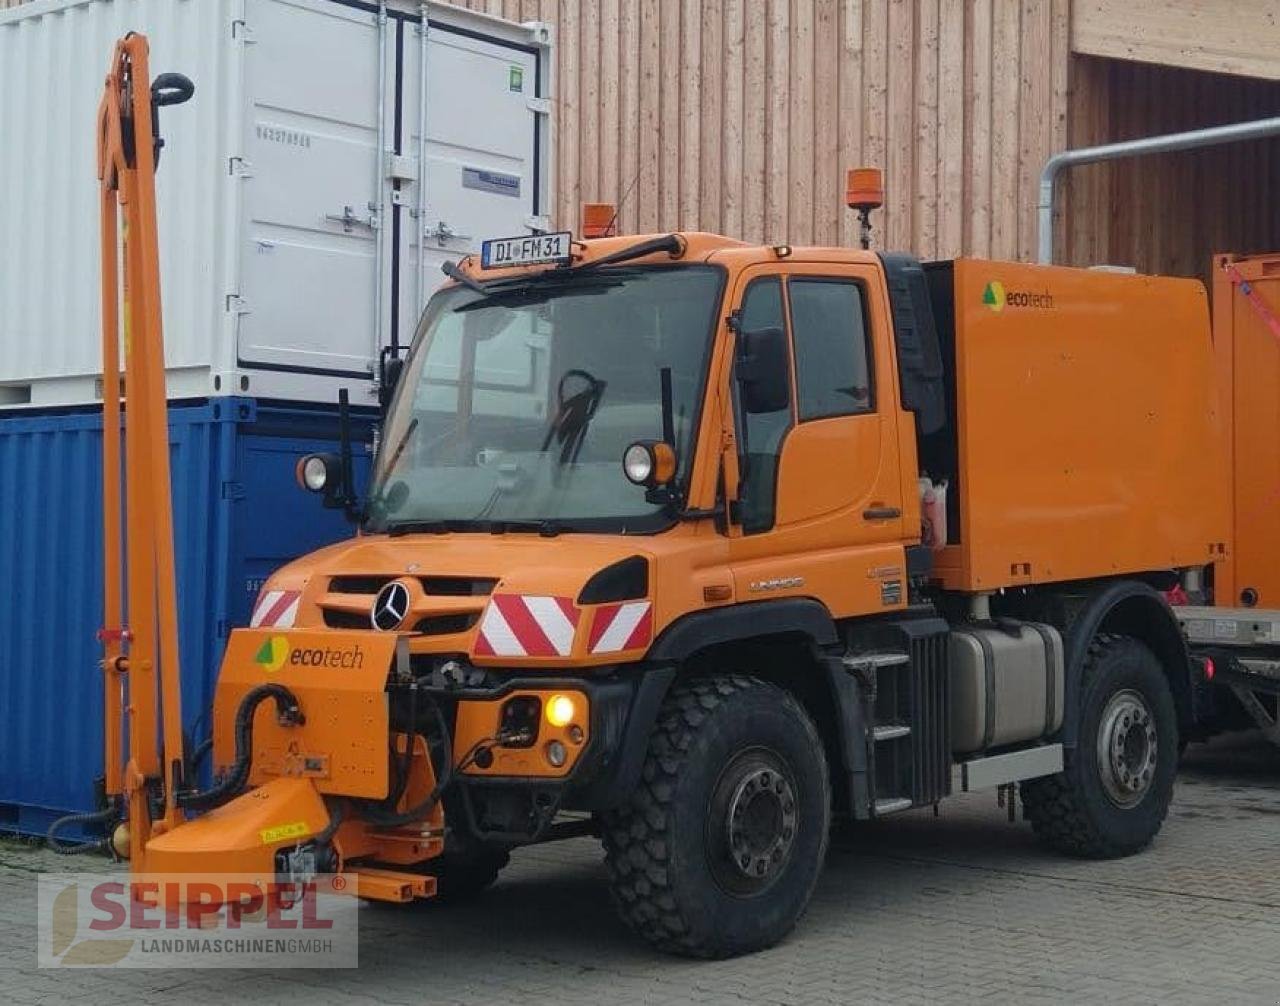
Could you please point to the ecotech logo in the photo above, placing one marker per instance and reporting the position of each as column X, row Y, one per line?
column 997, row 298
column 277, row 651
column 158, row 920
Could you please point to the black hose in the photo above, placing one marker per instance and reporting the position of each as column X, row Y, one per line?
column 97, row 817
column 378, row 814
column 233, row 783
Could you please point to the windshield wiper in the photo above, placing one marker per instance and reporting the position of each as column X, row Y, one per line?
column 546, row 528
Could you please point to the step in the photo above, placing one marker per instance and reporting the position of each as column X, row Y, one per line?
column 875, row 660
column 891, row 732
column 891, row 805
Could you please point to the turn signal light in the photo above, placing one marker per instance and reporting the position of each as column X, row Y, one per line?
column 560, row 710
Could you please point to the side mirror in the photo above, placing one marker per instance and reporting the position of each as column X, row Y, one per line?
column 389, row 379
column 762, row 370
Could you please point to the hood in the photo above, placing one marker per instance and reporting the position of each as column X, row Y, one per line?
column 500, row 599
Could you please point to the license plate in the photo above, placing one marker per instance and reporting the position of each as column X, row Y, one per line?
column 532, row 249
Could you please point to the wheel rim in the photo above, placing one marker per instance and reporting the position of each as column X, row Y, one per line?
column 751, row 825
column 1128, row 747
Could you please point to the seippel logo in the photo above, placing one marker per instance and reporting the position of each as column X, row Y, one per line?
column 997, row 298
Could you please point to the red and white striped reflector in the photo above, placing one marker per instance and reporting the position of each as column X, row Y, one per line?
column 276, row 609
column 524, row 625
column 618, row 627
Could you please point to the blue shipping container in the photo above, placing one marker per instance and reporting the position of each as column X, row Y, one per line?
column 238, row 515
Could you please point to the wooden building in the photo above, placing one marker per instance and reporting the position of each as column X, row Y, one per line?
column 740, row 116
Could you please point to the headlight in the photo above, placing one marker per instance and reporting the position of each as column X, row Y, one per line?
column 649, row 463
column 316, row 472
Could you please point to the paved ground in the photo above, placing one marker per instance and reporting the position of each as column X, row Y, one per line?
column 958, row 909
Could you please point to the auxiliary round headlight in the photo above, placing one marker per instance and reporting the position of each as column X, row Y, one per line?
column 313, row 473
column 638, row 463
column 559, row 710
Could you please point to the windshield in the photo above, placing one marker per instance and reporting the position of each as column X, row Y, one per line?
column 516, row 405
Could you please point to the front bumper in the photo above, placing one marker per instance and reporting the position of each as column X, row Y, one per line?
column 599, row 772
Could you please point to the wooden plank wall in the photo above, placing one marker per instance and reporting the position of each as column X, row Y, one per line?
column 1168, row 213
column 741, row 116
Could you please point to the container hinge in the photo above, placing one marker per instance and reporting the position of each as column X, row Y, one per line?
column 242, row 32
column 235, row 304
column 538, row 106
column 238, row 167
column 232, row 490
column 538, row 223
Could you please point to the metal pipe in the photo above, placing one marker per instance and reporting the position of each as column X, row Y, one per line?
column 421, row 225
column 1190, row 140
column 380, row 190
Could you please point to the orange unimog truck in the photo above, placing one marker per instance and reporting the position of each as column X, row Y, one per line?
column 696, row 545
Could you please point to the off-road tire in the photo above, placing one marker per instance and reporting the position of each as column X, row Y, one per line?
column 670, row 868
column 461, row 876
column 1072, row 811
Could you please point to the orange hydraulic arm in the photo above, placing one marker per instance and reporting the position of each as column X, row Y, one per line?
column 140, row 636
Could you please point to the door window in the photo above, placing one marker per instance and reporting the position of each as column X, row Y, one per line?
column 763, row 432
column 828, row 327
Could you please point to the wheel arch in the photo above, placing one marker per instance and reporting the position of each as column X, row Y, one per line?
column 792, row 643
column 1128, row 608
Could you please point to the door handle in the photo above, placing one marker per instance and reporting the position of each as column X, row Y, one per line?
column 881, row 513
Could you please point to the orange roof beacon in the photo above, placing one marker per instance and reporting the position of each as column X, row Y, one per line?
column 695, row 545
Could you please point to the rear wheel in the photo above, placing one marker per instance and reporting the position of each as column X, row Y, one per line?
column 1113, row 795
column 719, row 848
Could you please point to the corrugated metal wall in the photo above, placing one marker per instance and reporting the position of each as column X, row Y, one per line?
column 1169, row 213
column 237, row 517
column 742, row 115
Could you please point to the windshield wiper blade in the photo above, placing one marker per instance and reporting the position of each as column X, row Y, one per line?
column 546, row 528
column 400, row 527
column 452, row 270
column 671, row 243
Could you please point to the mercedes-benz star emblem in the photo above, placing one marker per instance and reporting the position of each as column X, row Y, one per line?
column 390, row 606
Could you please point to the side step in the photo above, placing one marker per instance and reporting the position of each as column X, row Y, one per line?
column 892, row 806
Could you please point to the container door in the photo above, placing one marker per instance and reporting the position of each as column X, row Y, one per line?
column 481, row 177
column 308, row 261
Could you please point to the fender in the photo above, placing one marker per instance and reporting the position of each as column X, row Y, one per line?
column 679, row 641
column 1130, row 608
column 691, row 633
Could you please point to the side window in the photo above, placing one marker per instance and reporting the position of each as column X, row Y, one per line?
column 762, row 432
column 829, row 331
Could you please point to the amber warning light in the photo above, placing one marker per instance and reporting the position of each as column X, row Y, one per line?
column 864, row 192
column 597, row 220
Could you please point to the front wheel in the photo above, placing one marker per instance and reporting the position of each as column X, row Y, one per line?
column 719, row 848
column 1113, row 795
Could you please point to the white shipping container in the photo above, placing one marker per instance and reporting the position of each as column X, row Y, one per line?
column 303, row 220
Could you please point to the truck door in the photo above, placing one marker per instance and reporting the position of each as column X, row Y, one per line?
column 821, row 488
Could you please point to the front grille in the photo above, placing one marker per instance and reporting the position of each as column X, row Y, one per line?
column 437, row 586
column 335, row 618
column 444, row 625
column 428, row 625
column 457, row 586
column 358, row 584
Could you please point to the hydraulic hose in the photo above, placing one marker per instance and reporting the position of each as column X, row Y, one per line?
column 380, row 815
column 97, row 817
column 233, row 783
